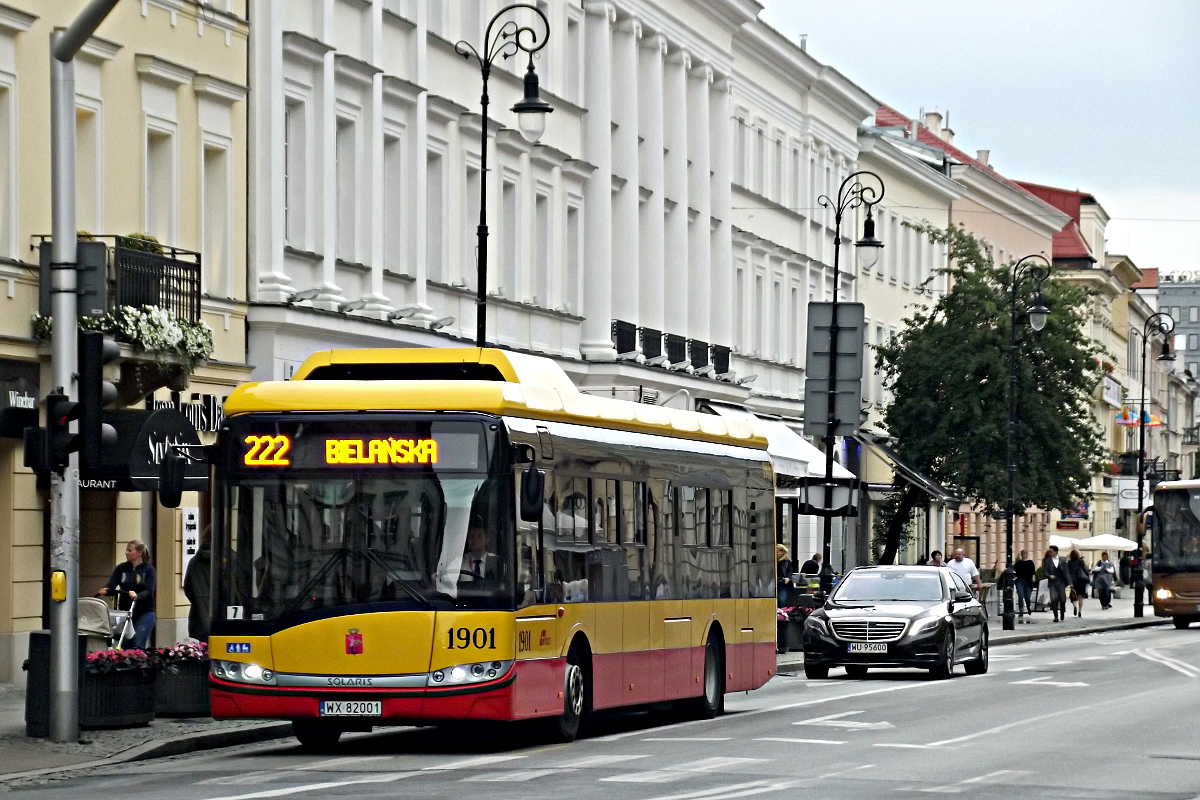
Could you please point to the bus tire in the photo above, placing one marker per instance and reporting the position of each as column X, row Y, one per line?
column 577, row 698
column 711, row 701
column 315, row 734
column 1181, row 622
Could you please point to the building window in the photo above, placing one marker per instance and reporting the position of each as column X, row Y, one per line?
column 739, row 300
column 574, row 257
column 794, row 326
column 87, row 169
column 1191, row 367
column 295, row 195
column 8, row 183
column 510, row 227
column 740, row 153
column 896, row 251
column 542, row 250
column 574, row 54
column 393, row 198
column 1193, row 341
column 470, row 230
column 778, row 173
column 160, row 185
column 346, row 166
column 759, row 306
column 760, row 157
column 776, row 321
column 435, row 221
column 215, row 215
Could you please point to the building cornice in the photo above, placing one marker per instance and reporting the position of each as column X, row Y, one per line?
column 354, row 70
column 442, row 109
column 99, row 50
column 305, row 48
column 159, row 70
column 1002, row 198
column 213, row 88
column 399, row 89
column 877, row 147
column 14, row 20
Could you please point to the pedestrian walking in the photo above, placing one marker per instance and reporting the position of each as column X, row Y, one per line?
column 1057, row 581
column 133, row 583
column 966, row 570
column 1025, row 570
column 783, row 574
column 197, row 585
column 1102, row 578
column 1080, row 580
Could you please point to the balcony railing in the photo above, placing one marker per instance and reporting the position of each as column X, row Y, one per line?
column 136, row 272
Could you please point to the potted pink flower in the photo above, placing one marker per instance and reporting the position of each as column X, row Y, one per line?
column 118, row 689
column 182, row 686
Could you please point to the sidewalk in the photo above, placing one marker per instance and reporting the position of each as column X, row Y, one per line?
column 25, row 758
column 1041, row 625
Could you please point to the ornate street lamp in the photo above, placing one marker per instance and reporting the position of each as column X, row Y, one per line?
column 851, row 194
column 1025, row 267
column 504, row 40
column 1160, row 323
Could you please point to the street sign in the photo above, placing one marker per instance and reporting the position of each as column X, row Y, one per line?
column 844, row 359
column 1127, row 494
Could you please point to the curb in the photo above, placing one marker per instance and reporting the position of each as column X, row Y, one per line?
column 794, row 660
column 177, row 745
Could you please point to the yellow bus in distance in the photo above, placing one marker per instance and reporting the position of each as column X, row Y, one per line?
column 422, row 535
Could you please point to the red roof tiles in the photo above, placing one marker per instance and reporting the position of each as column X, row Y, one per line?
column 1149, row 279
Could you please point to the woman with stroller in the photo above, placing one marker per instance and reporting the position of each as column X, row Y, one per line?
column 133, row 584
column 1078, row 572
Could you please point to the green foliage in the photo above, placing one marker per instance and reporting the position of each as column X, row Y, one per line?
column 142, row 242
column 885, row 518
column 948, row 375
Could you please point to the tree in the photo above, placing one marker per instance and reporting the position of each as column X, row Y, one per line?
column 947, row 372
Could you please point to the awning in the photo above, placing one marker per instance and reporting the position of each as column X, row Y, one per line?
column 926, row 484
column 790, row 453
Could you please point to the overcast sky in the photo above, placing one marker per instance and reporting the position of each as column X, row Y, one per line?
column 1097, row 95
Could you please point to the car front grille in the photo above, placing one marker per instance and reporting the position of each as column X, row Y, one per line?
column 869, row 630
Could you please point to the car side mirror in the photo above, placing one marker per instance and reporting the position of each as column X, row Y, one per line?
column 963, row 597
column 533, row 487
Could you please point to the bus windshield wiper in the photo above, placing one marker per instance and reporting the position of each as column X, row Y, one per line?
column 374, row 557
column 338, row 557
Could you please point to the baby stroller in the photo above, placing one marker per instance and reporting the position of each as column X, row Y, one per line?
column 94, row 623
column 122, row 624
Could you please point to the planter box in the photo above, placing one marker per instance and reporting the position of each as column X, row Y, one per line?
column 183, row 692
column 120, row 699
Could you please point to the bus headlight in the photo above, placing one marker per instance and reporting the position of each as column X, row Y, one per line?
column 1163, row 594
column 242, row 673
column 469, row 673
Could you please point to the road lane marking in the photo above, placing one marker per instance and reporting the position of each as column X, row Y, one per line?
column 386, row 777
column 720, row 791
column 1122, row 652
column 512, row 776
column 1045, row 681
column 1094, row 658
column 962, row 786
column 1006, row 656
column 1057, row 663
column 337, row 762
column 797, row 741
column 650, row 776
column 834, row 721
column 599, row 761
column 689, row 739
column 471, row 763
column 680, row 771
column 844, row 771
column 906, row 746
column 248, row 779
column 1010, row 725
column 1020, row 669
column 1150, row 654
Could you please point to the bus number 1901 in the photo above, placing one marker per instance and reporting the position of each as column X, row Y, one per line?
column 478, row 638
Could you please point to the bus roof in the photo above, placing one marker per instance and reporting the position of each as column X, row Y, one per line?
column 1194, row 484
column 532, row 387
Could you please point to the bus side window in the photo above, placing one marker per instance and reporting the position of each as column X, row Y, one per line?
column 633, row 537
column 566, row 543
column 721, row 517
column 530, row 585
column 661, row 540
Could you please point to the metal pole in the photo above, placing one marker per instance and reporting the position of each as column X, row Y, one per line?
column 1139, row 585
column 831, row 411
column 1008, row 616
column 64, row 489
column 481, row 272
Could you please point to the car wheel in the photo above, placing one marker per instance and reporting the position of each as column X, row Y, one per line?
column 1181, row 622
column 712, row 702
column 945, row 667
column 979, row 665
column 856, row 670
column 576, row 700
column 815, row 671
column 315, row 734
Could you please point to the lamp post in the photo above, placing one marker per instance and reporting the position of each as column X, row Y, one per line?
column 1160, row 323
column 504, row 40
column 851, row 194
column 1026, row 266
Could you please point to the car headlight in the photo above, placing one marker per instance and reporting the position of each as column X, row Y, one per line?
column 1163, row 594
column 926, row 623
column 242, row 673
column 469, row 673
column 816, row 624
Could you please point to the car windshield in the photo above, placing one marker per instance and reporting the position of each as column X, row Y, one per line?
column 874, row 586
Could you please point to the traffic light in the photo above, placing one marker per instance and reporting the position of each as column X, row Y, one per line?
column 60, row 442
column 95, row 350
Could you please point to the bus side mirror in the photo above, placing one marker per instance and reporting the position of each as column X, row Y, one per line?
column 170, row 479
column 533, row 486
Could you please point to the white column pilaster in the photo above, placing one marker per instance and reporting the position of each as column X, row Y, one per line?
column 720, row 125
column 700, row 200
column 675, row 177
column 266, row 236
column 626, row 200
column 652, row 224
column 330, row 296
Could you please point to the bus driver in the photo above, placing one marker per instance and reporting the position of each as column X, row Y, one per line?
column 477, row 562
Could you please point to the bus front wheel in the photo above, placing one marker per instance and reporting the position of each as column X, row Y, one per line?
column 577, row 699
column 315, row 734
column 1181, row 622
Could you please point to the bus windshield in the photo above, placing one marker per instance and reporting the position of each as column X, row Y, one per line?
column 1176, row 531
column 317, row 536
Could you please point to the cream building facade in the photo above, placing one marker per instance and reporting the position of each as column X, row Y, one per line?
column 160, row 149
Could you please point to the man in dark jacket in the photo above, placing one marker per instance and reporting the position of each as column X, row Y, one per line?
column 197, row 586
column 133, row 584
column 1058, row 580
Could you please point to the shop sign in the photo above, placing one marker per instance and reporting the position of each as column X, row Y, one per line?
column 1067, row 525
column 18, row 397
column 191, row 538
column 1112, row 390
column 206, row 412
column 1080, row 511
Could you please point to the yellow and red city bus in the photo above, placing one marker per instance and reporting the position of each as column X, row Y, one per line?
column 375, row 562
column 1175, row 563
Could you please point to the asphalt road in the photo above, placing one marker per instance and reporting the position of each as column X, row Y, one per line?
column 1113, row 715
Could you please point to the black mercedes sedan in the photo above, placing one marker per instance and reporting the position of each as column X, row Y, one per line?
column 897, row 616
